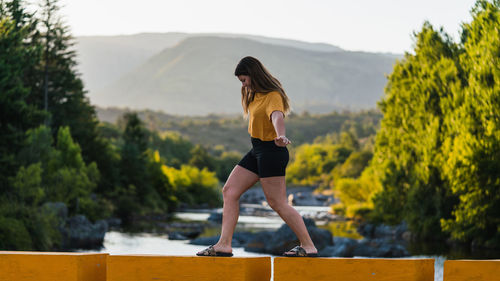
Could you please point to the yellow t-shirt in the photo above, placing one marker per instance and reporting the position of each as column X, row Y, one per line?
column 260, row 109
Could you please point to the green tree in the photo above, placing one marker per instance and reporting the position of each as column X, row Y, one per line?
column 134, row 174
column 356, row 195
column 437, row 152
column 201, row 159
column 355, row 164
column 314, row 162
column 473, row 128
column 58, row 89
column 408, row 146
column 161, row 183
column 226, row 163
column 17, row 57
column 64, row 175
column 27, row 184
column 194, row 186
column 133, row 161
column 174, row 148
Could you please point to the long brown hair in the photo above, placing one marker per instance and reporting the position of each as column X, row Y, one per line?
column 261, row 81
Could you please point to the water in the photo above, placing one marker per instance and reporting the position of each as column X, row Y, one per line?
column 118, row 243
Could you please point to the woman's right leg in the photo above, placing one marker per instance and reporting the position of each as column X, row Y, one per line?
column 239, row 181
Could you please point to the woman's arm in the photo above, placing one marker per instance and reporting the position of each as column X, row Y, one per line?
column 279, row 127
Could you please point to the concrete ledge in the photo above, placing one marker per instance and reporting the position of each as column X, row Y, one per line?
column 187, row 268
column 471, row 270
column 351, row 269
column 50, row 266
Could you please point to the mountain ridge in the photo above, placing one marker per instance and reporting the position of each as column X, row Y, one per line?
column 170, row 79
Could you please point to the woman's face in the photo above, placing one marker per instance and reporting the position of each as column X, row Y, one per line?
column 245, row 80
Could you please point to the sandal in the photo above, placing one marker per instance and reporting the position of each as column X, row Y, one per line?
column 211, row 252
column 300, row 252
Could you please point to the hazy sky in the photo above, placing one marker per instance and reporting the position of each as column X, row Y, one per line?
column 367, row 25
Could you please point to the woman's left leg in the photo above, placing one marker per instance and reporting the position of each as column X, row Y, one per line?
column 275, row 190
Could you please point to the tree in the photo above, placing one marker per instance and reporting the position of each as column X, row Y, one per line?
column 134, row 174
column 17, row 57
column 407, row 154
column 314, row 162
column 58, row 90
column 201, row 159
column 437, row 153
column 64, row 175
column 473, row 143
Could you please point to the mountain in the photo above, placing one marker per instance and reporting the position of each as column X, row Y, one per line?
column 195, row 76
column 103, row 59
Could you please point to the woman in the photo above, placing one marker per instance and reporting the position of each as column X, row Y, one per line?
column 264, row 99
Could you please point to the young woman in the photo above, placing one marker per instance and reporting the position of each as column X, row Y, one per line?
column 264, row 99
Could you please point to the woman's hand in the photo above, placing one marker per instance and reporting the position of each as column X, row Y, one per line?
column 281, row 141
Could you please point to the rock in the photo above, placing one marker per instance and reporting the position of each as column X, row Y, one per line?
column 243, row 237
column 239, row 239
column 215, row 217
column 379, row 248
column 191, row 234
column 258, row 243
column 80, row 233
column 366, row 230
column 253, row 196
column 308, row 198
column 256, row 210
column 183, row 235
column 299, row 196
column 382, row 231
column 342, row 247
column 176, row 236
column 77, row 232
column 284, row 239
column 205, row 240
column 114, row 222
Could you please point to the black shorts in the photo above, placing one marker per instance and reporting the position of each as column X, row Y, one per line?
column 266, row 159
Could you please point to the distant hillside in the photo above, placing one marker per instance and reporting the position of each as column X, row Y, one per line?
column 230, row 131
column 195, row 77
column 103, row 59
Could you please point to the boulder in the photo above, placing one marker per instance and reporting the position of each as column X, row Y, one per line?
column 239, row 239
column 176, row 235
column 342, row 247
column 383, row 231
column 380, row 248
column 80, row 233
column 77, row 232
column 114, row 222
column 284, row 239
column 205, row 240
column 183, row 235
column 215, row 216
column 258, row 244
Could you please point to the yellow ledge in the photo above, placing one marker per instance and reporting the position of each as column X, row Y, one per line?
column 55, row 266
column 468, row 270
column 48, row 266
column 187, row 268
column 351, row 269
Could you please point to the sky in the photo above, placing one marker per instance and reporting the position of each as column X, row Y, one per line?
column 356, row 25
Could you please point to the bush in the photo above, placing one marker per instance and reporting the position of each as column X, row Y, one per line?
column 14, row 235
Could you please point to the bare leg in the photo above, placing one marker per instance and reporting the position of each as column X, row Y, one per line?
column 275, row 190
column 239, row 181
